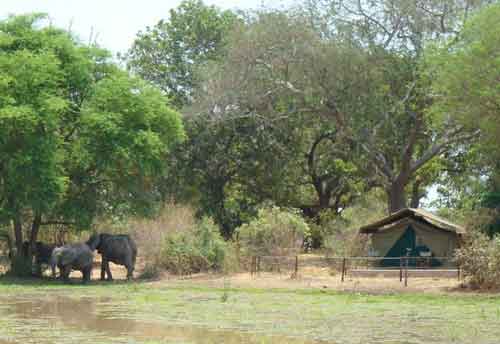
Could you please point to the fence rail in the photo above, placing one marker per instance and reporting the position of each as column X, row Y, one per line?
column 406, row 265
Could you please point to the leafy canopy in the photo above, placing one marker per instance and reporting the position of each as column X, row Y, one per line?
column 78, row 136
column 169, row 53
column 467, row 75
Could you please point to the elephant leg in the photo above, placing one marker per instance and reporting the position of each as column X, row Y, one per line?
column 86, row 272
column 130, row 269
column 65, row 271
column 104, row 262
column 130, row 272
column 108, row 271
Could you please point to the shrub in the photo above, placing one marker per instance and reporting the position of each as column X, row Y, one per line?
column 341, row 236
column 275, row 231
column 199, row 249
column 150, row 234
column 479, row 259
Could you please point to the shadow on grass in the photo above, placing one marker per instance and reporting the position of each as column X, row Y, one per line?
column 9, row 280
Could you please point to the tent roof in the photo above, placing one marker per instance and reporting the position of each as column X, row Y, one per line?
column 417, row 214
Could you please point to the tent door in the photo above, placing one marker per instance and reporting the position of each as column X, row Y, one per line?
column 407, row 240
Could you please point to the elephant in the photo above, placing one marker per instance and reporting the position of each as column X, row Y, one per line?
column 119, row 249
column 42, row 254
column 74, row 256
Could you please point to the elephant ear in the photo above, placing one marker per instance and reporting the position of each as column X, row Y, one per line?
column 94, row 241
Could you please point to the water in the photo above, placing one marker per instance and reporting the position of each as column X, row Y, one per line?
column 51, row 319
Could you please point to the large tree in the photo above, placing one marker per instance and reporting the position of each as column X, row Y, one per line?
column 272, row 76
column 466, row 84
column 399, row 137
column 169, row 53
column 466, row 75
column 78, row 136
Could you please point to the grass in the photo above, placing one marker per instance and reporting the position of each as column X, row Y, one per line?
column 307, row 315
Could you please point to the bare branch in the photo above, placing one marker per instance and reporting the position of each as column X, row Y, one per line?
column 452, row 137
column 54, row 222
column 379, row 160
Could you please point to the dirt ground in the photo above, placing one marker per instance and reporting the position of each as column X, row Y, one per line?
column 309, row 277
column 312, row 276
column 371, row 285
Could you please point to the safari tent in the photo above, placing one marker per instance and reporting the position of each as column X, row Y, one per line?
column 423, row 233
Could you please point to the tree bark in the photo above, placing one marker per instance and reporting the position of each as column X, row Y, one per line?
column 35, row 227
column 396, row 196
column 415, row 194
column 18, row 233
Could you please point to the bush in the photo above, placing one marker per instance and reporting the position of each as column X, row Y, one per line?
column 150, row 234
column 275, row 231
column 479, row 260
column 341, row 236
column 199, row 249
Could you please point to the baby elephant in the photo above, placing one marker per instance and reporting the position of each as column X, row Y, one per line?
column 75, row 256
column 119, row 249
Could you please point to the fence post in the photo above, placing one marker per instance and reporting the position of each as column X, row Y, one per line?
column 343, row 270
column 406, row 271
column 257, row 263
column 400, row 269
column 408, row 251
column 458, row 272
column 296, row 266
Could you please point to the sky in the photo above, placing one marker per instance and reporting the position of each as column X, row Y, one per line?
column 114, row 23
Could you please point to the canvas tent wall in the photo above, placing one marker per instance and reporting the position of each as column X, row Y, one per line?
column 414, row 229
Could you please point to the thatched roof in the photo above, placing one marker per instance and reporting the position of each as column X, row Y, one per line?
column 415, row 214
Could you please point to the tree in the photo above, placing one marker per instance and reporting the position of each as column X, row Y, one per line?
column 78, row 137
column 269, row 77
column 399, row 137
column 227, row 168
column 169, row 53
column 466, row 79
column 467, row 73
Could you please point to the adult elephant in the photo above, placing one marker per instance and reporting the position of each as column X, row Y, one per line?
column 42, row 253
column 72, row 257
column 119, row 249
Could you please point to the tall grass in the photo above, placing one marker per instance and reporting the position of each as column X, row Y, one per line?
column 151, row 234
column 341, row 236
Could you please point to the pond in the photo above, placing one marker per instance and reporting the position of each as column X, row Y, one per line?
column 39, row 319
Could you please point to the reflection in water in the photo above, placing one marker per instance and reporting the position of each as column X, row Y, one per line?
column 89, row 317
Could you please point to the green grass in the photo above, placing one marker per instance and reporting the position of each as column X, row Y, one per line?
column 306, row 315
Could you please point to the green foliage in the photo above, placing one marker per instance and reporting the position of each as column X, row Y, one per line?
column 78, row 137
column 169, row 53
column 466, row 73
column 266, row 139
column 479, row 259
column 127, row 132
column 199, row 249
column 341, row 232
column 275, row 231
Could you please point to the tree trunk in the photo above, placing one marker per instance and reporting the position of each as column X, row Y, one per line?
column 415, row 195
column 18, row 233
column 35, row 227
column 396, row 197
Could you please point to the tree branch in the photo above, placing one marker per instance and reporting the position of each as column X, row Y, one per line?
column 55, row 222
column 448, row 139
